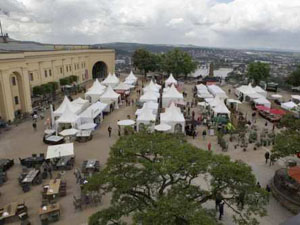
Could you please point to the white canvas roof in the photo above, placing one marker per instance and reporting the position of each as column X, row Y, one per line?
column 215, row 102
column 152, row 87
column 216, row 91
column 82, row 103
column 94, row 110
column 288, row 105
column 171, row 80
column 123, row 87
column 66, row 103
column 109, row 94
column 57, row 151
column 263, row 101
column 146, row 115
column 131, row 76
column 173, row 93
column 296, row 97
column 260, row 91
column 201, row 87
column 173, row 114
column 149, row 96
column 221, row 109
column 68, row 117
column 111, row 80
column 97, row 86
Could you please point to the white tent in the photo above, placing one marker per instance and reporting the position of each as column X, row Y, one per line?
column 260, row 91
column 174, row 118
column 201, row 87
column 146, row 117
column 171, row 80
column 68, row 117
column 131, row 79
column 221, row 110
column 152, row 87
column 288, row 105
column 69, row 132
column 171, row 95
column 146, row 107
column 262, row 101
column 83, row 103
column 276, row 96
column 66, row 103
column 123, row 87
column 111, row 80
column 94, row 93
column 215, row 102
column 57, row 151
column 110, row 95
column 216, row 91
column 296, row 98
column 92, row 112
column 149, row 96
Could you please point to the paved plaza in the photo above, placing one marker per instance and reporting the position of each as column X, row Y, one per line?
column 21, row 141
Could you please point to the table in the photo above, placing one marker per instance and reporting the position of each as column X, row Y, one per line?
column 5, row 164
column 10, row 210
column 91, row 164
column 45, row 210
column 31, row 176
column 49, row 131
column 54, row 186
column 54, row 140
column 64, row 162
column 84, row 135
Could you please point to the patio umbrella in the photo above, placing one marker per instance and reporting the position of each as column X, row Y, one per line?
column 69, row 132
column 162, row 127
column 126, row 122
column 87, row 126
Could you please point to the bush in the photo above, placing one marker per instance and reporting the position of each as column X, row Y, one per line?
column 37, row 90
column 68, row 80
column 47, row 88
column 73, row 78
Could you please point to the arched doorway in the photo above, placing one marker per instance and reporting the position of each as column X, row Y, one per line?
column 178, row 128
column 99, row 70
column 17, row 93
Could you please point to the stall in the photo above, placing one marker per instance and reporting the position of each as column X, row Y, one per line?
column 111, row 80
column 82, row 103
column 58, row 151
column 260, row 91
column 172, row 95
column 295, row 99
column 94, row 113
column 152, row 87
column 262, row 101
column 216, row 91
column 110, row 96
column 221, row 111
column 146, row 119
column 93, row 94
column 174, row 118
column 76, row 109
column 123, row 89
column 149, row 96
column 288, row 105
column 68, row 119
column 131, row 79
column 153, row 106
column 171, row 80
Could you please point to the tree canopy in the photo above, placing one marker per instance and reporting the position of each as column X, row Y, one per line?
column 294, row 78
column 258, row 71
column 144, row 60
column 161, row 179
column 287, row 142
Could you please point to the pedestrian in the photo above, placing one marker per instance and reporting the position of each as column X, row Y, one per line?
column 229, row 91
column 266, row 123
column 132, row 102
column 209, row 146
column 273, row 128
column 221, row 209
column 258, row 184
column 267, row 156
column 34, row 125
column 35, row 117
column 109, row 131
column 268, row 189
column 272, row 159
column 218, row 201
column 50, row 172
column 204, row 134
column 194, row 134
column 193, row 115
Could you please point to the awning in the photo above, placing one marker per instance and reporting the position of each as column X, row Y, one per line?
column 57, row 151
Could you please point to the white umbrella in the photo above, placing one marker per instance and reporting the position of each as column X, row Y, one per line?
column 87, row 126
column 69, row 132
column 126, row 122
column 162, row 127
column 49, row 131
column 276, row 96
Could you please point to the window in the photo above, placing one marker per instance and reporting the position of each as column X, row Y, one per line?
column 70, row 67
column 50, row 73
column 16, row 100
column 13, row 80
column 67, row 68
column 61, row 70
column 31, row 76
column 46, row 75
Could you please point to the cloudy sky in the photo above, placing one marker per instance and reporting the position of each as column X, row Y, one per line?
column 219, row 23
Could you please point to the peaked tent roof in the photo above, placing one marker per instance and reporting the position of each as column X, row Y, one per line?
column 146, row 115
column 68, row 116
column 201, row 87
column 172, row 92
column 97, row 86
column 149, row 96
column 93, row 110
column 171, row 80
column 109, row 94
column 123, row 86
column 172, row 113
column 110, row 79
column 66, row 103
column 288, row 105
column 131, row 76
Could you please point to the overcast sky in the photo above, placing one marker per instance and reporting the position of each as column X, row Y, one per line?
column 219, row 23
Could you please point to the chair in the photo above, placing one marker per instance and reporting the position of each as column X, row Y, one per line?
column 33, row 155
column 53, row 217
column 25, row 188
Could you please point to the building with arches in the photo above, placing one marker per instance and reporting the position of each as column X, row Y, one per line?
column 21, row 71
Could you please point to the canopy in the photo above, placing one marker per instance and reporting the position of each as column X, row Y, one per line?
column 74, row 108
column 68, row 117
column 171, row 95
column 260, row 91
column 57, row 151
column 111, row 80
column 145, row 118
column 262, row 101
column 110, row 95
column 152, row 87
column 216, row 91
column 123, row 87
column 276, row 96
column 87, row 126
column 288, row 105
column 131, row 77
column 126, row 122
column 69, row 132
column 294, row 172
column 171, row 80
column 233, row 101
column 92, row 112
column 221, row 109
column 82, row 103
column 263, row 108
column 201, row 87
column 95, row 91
column 174, row 118
column 162, row 127
column 149, row 96
column 295, row 98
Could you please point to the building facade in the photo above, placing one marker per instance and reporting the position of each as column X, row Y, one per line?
column 20, row 72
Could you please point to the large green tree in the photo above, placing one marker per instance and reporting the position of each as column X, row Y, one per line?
column 294, row 78
column 258, row 71
column 145, row 61
column 287, row 142
column 161, row 179
column 178, row 62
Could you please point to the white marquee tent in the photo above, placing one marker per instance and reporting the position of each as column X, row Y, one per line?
column 66, row 103
column 149, row 96
column 111, row 80
column 174, row 118
column 171, row 80
column 288, row 105
column 110, row 95
column 221, row 110
column 171, row 95
column 123, row 87
column 94, row 93
column 68, row 117
column 201, row 87
column 152, row 87
column 131, row 79
column 262, row 101
column 92, row 112
column 82, row 103
column 146, row 117
column 260, row 91
column 58, row 151
column 216, row 91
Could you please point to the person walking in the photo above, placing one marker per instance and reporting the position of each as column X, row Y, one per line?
column 218, row 201
column 209, row 146
column 109, row 131
column 267, row 156
column 258, row 184
column 204, row 134
column 34, row 126
column 268, row 189
column 221, row 209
